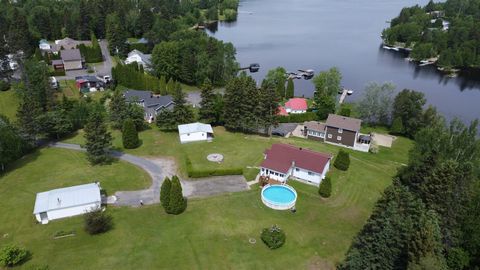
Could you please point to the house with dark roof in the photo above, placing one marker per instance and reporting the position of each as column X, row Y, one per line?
column 151, row 104
column 72, row 59
column 342, row 130
column 283, row 161
column 314, row 130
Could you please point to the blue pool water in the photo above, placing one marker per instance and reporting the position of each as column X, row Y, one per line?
column 279, row 194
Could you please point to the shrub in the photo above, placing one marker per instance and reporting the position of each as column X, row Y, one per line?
column 4, row 86
column 176, row 203
column 342, row 162
column 374, row 148
column 97, row 221
column 130, row 135
column 165, row 192
column 12, row 255
column 298, row 118
column 345, row 110
column 325, row 189
column 273, row 237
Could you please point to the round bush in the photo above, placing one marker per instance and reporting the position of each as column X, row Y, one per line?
column 273, row 237
column 342, row 162
column 97, row 221
column 12, row 255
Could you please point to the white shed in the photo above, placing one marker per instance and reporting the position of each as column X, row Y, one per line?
column 195, row 132
column 67, row 202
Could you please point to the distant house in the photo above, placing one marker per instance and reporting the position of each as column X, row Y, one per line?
column 151, row 104
column 296, row 105
column 89, row 83
column 195, row 132
column 140, row 58
column 282, row 161
column 65, row 44
column 66, row 202
column 282, row 111
column 72, row 59
column 58, row 65
column 44, row 45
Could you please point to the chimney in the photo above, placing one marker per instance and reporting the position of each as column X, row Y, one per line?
column 300, row 148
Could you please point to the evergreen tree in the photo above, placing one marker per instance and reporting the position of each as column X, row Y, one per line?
column 55, row 124
column 98, row 139
column 281, row 89
column 408, row 106
column 19, row 37
column 290, row 89
column 117, row 109
column 163, row 86
column 27, row 117
column 182, row 114
column 38, row 85
column 342, row 162
column 325, row 188
column 268, row 102
column 324, row 105
column 116, row 35
column 165, row 120
column 207, row 111
column 177, row 203
column 165, row 193
column 170, row 86
column 130, row 135
column 12, row 145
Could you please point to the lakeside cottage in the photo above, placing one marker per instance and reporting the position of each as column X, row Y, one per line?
column 67, row 202
column 283, row 161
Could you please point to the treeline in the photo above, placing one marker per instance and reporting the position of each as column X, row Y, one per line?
column 93, row 53
column 421, row 28
column 428, row 218
column 192, row 57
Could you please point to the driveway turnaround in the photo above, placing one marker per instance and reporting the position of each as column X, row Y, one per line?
column 158, row 169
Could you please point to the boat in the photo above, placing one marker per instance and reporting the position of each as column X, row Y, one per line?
column 307, row 74
column 349, row 92
column 254, row 67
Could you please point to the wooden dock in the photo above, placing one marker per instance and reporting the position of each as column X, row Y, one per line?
column 343, row 96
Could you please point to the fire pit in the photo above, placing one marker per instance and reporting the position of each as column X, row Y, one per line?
column 215, row 157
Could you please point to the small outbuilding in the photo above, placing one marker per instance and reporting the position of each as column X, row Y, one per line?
column 67, row 202
column 195, row 132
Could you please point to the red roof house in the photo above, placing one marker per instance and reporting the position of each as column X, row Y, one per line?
column 283, row 161
column 296, row 105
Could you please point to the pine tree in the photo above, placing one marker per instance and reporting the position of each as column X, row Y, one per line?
column 170, row 86
column 342, row 162
column 207, row 111
column 163, row 86
column 165, row 193
column 281, row 88
column 130, row 135
column 182, row 114
column 19, row 37
column 290, row 89
column 234, row 93
column 27, row 117
column 269, row 107
column 116, row 35
column 325, row 188
column 177, row 203
column 98, row 139
column 117, row 109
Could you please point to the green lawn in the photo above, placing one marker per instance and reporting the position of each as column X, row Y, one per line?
column 213, row 233
column 239, row 150
column 8, row 103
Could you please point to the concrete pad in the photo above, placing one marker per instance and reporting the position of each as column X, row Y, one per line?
column 384, row 140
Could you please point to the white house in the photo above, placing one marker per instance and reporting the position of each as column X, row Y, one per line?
column 44, row 45
column 195, row 132
column 67, row 202
column 140, row 58
column 283, row 161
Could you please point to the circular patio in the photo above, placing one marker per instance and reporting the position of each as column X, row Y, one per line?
column 215, row 157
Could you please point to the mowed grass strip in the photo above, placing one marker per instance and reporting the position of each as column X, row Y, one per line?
column 8, row 104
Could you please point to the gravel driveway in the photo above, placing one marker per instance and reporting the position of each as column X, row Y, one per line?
column 158, row 169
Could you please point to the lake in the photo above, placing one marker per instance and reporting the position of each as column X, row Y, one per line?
column 319, row 34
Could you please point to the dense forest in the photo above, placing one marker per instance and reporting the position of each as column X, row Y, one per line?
column 24, row 23
column 449, row 31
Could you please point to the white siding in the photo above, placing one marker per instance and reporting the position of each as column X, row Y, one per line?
column 69, row 212
column 289, row 110
column 306, row 175
column 193, row 137
column 274, row 174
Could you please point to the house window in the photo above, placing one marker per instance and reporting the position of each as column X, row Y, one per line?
column 329, row 136
column 339, row 138
column 340, row 130
column 297, row 169
column 310, row 173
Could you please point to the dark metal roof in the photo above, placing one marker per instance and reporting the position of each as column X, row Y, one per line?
column 148, row 99
column 71, row 55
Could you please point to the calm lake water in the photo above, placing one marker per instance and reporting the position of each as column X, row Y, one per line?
column 319, row 34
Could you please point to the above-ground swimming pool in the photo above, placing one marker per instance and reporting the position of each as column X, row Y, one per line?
column 279, row 197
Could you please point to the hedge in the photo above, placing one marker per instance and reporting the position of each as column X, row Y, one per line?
column 192, row 173
column 298, row 118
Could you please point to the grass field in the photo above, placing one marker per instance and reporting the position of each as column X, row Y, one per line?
column 8, row 104
column 213, row 233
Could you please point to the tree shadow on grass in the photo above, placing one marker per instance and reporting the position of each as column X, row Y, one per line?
column 31, row 157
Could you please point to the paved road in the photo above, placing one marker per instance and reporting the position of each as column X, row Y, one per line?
column 158, row 169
